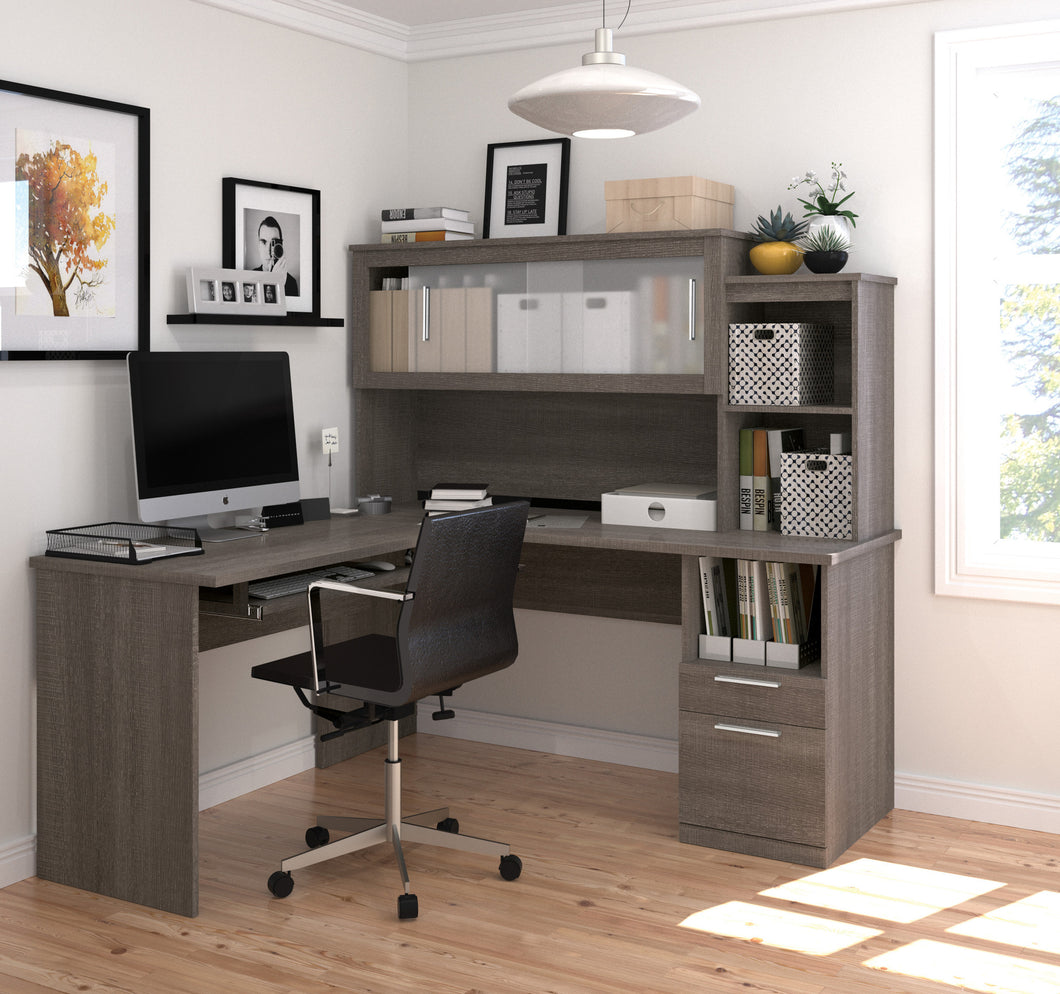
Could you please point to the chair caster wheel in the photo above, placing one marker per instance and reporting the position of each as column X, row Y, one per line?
column 280, row 884
column 450, row 825
column 316, row 837
column 511, row 867
column 408, row 906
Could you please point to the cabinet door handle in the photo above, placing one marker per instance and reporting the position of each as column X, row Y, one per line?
column 769, row 733
column 426, row 313
column 746, row 681
column 691, row 310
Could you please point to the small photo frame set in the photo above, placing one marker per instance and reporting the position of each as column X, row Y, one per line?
column 245, row 292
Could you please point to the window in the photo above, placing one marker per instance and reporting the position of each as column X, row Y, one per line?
column 997, row 322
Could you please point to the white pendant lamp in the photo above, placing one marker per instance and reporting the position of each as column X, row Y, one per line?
column 603, row 97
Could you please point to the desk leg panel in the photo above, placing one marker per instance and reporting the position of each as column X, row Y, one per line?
column 117, row 737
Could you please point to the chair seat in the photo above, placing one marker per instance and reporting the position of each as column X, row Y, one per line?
column 369, row 662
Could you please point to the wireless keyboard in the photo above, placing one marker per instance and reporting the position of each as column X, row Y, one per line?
column 298, row 583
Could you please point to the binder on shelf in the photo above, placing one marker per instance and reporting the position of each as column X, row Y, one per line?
column 746, row 478
column 780, row 440
column 762, row 506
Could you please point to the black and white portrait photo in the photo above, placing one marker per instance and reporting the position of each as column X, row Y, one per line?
column 272, row 244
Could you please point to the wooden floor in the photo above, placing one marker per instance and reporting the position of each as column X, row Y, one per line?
column 609, row 900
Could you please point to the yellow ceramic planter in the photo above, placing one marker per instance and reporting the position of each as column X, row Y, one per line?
column 776, row 258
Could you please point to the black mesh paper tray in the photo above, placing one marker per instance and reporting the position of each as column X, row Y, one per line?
column 123, row 542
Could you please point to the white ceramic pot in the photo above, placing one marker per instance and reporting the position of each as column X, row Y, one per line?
column 834, row 221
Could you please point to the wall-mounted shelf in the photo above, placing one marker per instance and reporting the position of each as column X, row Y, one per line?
column 297, row 319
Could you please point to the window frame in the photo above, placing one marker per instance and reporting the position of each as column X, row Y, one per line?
column 969, row 564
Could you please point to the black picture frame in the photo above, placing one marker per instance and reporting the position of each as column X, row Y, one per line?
column 100, row 307
column 247, row 205
column 526, row 188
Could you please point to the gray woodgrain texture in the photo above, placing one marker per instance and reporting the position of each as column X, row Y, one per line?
column 117, row 737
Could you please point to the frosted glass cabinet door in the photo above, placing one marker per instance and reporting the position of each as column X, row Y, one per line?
column 643, row 315
column 607, row 316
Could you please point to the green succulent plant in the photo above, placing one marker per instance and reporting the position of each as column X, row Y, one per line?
column 778, row 227
column 825, row 239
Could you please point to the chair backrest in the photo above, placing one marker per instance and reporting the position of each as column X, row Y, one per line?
column 459, row 624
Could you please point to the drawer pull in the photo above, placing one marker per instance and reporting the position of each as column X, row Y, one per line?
column 767, row 732
column 746, row 681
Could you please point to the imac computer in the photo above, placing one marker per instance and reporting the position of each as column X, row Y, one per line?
column 213, row 433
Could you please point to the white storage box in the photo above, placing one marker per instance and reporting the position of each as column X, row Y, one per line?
column 817, row 494
column 661, row 505
column 781, row 363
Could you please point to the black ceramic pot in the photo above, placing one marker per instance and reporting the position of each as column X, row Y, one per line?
column 825, row 262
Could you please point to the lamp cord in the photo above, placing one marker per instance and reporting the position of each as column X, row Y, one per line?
column 603, row 17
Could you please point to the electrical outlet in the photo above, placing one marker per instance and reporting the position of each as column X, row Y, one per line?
column 329, row 440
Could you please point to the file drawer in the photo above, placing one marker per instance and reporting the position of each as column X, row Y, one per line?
column 753, row 778
column 762, row 694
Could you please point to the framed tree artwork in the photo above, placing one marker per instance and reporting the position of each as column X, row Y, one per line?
column 74, row 225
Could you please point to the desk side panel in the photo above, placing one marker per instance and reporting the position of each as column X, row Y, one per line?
column 117, row 737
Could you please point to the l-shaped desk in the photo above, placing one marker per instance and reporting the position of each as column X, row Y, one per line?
column 117, row 666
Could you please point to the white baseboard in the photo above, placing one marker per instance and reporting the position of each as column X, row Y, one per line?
column 996, row 805
column 240, row 778
column 562, row 740
column 18, row 860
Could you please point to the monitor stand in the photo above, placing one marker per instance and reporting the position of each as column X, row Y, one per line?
column 219, row 533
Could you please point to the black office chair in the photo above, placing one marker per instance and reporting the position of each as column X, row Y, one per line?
column 455, row 624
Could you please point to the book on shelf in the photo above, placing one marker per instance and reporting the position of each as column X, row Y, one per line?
column 431, row 504
column 428, row 224
column 755, row 621
column 420, row 213
column 424, row 236
column 459, row 491
column 715, row 596
column 780, row 440
column 746, row 478
column 761, row 485
column 839, row 443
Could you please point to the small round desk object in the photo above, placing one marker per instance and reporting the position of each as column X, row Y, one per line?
column 374, row 504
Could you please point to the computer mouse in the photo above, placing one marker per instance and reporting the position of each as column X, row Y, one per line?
column 376, row 565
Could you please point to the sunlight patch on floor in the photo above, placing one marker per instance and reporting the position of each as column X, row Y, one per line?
column 1033, row 923
column 888, row 891
column 780, row 929
column 969, row 969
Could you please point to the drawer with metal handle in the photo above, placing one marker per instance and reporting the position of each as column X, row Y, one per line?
column 793, row 698
column 751, row 777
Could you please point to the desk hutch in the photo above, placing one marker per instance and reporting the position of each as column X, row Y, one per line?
column 561, row 368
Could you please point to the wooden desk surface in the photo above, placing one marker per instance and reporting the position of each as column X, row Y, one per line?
column 353, row 537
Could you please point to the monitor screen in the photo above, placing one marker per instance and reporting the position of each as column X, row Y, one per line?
column 213, row 433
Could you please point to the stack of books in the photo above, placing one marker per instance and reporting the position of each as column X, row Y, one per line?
column 457, row 497
column 426, row 224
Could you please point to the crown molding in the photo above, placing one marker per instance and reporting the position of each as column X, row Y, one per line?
column 564, row 24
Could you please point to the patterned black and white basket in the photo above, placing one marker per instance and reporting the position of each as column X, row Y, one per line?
column 816, row 494
column 782, row 363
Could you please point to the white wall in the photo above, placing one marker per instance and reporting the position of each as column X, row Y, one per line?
column 229, row 96
column 977, row 681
